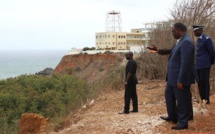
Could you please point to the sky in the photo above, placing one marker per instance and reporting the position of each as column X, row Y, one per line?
column 67, row 24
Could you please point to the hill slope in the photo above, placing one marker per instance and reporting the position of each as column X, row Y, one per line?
column 89, row 67
column 101, row 116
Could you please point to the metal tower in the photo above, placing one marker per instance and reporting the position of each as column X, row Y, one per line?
column 113, row 21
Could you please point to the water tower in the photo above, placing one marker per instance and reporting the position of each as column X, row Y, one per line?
column 113, row 21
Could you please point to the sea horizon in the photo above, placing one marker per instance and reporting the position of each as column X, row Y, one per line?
column 25, row 62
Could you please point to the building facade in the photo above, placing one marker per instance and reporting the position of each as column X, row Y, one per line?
column 136, row 39
column 119, row 40
column 111, row 41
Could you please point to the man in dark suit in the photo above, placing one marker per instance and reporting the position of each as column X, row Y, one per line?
column 179, row 78
column 204, row 60
column 154, row 49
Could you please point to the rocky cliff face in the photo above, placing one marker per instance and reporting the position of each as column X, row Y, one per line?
column 89, row 67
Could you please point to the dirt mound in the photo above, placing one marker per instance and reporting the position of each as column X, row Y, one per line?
column 31, row 123
column 102, row 116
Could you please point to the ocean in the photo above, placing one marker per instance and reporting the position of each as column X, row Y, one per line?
column 14, row 63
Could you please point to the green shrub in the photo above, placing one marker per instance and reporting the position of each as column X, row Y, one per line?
column 54, row 97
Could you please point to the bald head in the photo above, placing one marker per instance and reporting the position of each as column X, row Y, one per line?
column 128, row 55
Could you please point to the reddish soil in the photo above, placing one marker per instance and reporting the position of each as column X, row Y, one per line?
column 89, row 67
column 101, row 116
column 31, row 123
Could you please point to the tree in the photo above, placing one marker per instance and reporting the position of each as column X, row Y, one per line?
column 195, row 12
column 189, row 12
column 87, row 48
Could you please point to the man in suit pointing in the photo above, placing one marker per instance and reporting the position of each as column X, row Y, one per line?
column 179, row 78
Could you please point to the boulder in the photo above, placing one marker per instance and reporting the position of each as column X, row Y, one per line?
column 31, row 123
column 46, row 71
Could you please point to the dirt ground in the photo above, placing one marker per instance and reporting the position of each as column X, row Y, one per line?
column 101, row 116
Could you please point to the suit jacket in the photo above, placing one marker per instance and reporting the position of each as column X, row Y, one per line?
column 181, row 62
column 164, row 51
column 204, row 52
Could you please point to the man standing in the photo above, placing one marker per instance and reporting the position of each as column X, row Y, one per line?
column 204, row 60
column 154, row 49
column 130, row 84
column 179, row 78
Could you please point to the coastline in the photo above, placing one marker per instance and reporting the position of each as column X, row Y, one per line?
column 27, row 62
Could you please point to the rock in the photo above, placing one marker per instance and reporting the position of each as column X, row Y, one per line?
column 31, row 123
column 46, row 71
column 91, row 103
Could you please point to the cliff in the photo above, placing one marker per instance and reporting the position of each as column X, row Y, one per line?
column 89, row 67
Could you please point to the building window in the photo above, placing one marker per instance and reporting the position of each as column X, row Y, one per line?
column 105, row 36
column 119, row 36
column 113, row 36
column 108, row 36
column 113, row 43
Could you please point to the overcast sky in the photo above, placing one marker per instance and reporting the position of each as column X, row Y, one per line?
column 64, row 24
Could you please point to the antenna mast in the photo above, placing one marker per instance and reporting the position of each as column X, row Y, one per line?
column 113, row 21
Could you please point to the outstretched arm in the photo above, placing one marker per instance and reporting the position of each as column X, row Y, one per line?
column 154, row 49
column 164, row 51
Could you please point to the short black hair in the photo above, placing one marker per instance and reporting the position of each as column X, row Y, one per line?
column 180, row 26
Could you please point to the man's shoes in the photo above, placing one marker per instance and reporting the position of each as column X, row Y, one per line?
column 134, row 111
column 123, row 112
column 179, row 127
column 166, row 118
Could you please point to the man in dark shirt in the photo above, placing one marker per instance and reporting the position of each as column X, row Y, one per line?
column 130, row 84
